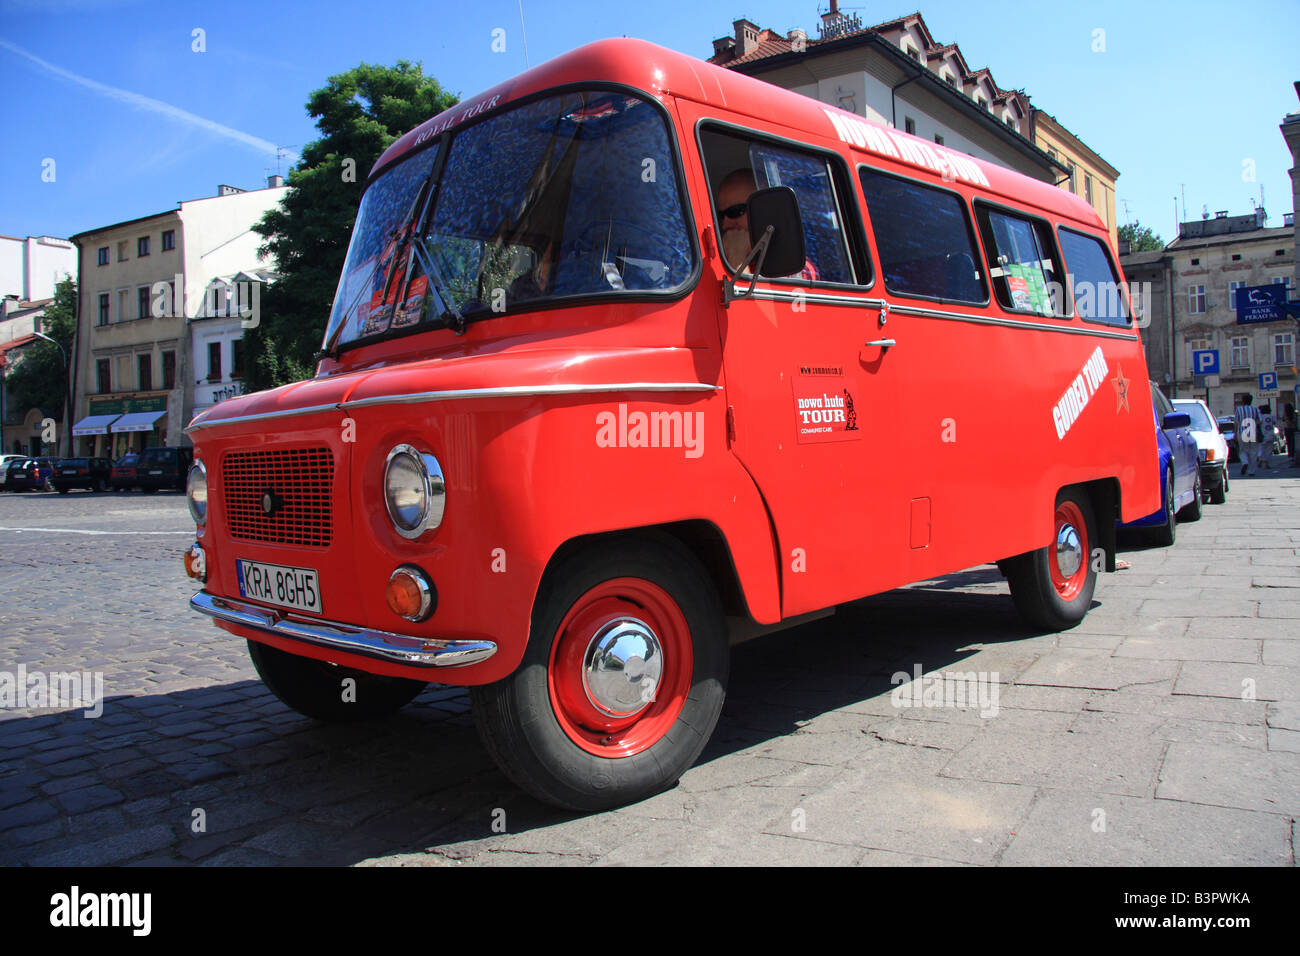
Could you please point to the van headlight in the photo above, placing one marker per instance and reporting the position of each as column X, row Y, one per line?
column 413, row 491
column 196, row 490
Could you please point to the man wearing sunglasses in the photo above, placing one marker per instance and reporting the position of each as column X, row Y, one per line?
column 733, row 213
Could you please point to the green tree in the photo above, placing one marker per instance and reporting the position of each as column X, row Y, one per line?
column 1140, row 238
column 39, row 378
column 359, row 114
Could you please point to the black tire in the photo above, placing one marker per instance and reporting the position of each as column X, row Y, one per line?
column 63, row 491
column 1192, row 510
column 1045, row 594
column 1165, row 535
column 315, row 689
column 1219, row 490
column 535, row 738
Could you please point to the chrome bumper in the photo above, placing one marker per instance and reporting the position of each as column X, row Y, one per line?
column 398, row 648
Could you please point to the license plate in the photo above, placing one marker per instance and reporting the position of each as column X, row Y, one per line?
column 69, row 471
column 157, row 471
column 297, row 588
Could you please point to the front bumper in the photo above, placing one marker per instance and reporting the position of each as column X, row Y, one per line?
column 384, row 645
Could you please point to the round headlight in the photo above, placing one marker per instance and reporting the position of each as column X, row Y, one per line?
column 196, row 489
column 413, row 491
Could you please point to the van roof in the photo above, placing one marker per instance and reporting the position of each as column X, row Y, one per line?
column 658, row 70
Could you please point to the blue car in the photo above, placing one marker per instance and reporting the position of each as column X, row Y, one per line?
column 1180, row 474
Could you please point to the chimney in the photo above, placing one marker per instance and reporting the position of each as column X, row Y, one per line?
column 223, row 190
column 746, row 37
column 724, row 48
column 273, row 181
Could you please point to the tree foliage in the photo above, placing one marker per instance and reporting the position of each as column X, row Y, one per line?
column 1140, row 238
column 39, row 378
column 359, row 114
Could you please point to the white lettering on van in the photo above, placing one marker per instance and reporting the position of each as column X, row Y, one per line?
column 883, row 142
column 1079, row 393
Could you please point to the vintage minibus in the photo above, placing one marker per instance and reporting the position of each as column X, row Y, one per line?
column 633, row 357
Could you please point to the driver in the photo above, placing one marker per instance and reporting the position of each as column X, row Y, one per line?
column 733, row 212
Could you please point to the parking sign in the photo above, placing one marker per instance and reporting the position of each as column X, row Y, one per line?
column 1205, row 361
column 1267, row 381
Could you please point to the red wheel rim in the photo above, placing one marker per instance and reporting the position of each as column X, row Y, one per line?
column 1069, row 551
column 595, row 730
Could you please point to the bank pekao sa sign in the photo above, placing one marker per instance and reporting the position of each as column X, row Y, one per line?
column 1261, row 303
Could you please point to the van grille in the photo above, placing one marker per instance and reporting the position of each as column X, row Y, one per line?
column 302, row 480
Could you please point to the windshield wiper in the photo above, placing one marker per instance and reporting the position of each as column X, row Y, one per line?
column 439, row 284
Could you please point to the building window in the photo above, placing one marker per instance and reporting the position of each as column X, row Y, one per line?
column 1236, row 257
column 214, row 361
column 1284, row 348
column 142, row 247
column 103, row 308
column 103, row 255
column 938, row 139
column 237, row 358
column 909, row 125
column 105, row 383
column 1072, row 186
column 1196, row 262
column 1195, row 345
column 950, row 79
column 168, row 240
column 122, row 301
column 1279, row 252
column 1087, row 188
column 1286, row 281
column 1241, row 352
column 1232, row 294
column 1195, row 299
column 121, row 251
column 169, row 370
column 142, row 302
column 144, row 365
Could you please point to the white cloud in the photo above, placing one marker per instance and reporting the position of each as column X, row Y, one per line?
column 141, row 102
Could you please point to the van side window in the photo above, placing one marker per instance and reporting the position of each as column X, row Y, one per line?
column 737, row 167
column 924, row 239
column 1022, row 264
column 1098, row 296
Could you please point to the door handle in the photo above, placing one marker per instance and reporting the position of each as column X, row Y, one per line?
column 883, row 343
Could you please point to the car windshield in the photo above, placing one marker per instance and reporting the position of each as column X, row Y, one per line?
column 585, row 200
column 1200, row 418
column 155, row 456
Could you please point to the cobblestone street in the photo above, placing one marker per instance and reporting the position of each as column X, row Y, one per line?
column 1164, row 730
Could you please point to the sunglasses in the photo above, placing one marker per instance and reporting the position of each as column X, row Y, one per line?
column 736, row 211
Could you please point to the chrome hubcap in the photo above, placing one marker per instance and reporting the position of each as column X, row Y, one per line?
column 1069, row 552
column 622, row 667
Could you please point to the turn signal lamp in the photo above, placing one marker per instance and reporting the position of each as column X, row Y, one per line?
column 410, row 593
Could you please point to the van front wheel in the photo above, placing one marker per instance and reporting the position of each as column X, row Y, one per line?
column 622, row 681
column 1052, row 587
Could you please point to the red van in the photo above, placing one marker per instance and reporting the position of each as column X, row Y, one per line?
column 632, row 356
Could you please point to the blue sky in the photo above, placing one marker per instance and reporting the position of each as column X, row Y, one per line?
column 1184, row 95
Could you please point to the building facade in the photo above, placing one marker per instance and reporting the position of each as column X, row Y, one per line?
column 897, row 75
column 30, row 268
column 140, row 282
column 1090, row 177
column 1192, row 307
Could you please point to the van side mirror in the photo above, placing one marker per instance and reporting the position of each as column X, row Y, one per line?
column 779, row 208
column 1176, row 420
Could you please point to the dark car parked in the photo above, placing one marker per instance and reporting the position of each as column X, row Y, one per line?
column 29, row 473
column 1228, row 428
column 122, row 477
column 89, row 473
column 1180, row 474
column 164, row 467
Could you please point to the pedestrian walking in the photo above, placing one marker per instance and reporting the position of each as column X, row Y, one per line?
column 1248, row 433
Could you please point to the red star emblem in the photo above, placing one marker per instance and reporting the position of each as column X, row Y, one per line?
column 1121, row 389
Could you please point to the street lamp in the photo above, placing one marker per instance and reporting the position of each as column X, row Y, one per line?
column 67, row 397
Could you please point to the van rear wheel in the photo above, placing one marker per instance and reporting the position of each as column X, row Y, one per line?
column 1052, row 587
column 621, row 683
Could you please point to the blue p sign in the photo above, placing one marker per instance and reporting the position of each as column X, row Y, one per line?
column 1205, row 361
column 1267, row 381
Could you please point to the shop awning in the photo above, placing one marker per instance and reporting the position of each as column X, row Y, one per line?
column 136, row 422
column 94, row 424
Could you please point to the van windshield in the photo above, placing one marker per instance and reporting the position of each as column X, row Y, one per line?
column 568, row 196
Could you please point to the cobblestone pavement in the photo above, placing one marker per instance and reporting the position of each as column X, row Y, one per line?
column 1163, row 730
